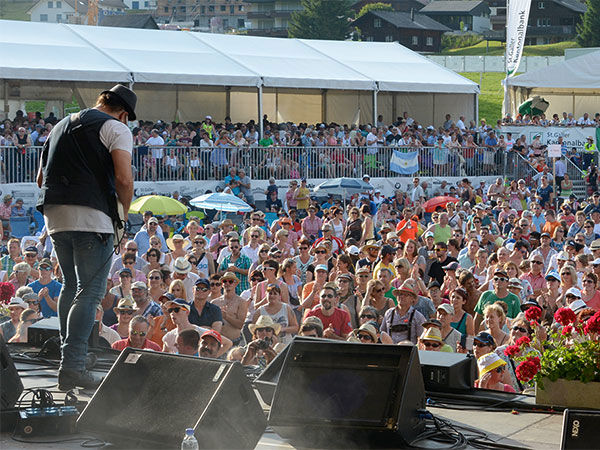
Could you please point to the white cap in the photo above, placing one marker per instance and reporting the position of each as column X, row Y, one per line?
column 596, row 262
column 353, row 250
column 574, row 291
column 577, row 305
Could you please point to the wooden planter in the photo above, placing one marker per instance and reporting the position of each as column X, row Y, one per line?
column 568, row 393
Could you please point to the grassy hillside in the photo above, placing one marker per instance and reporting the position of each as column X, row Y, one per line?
column 497, row 49
column 15, row 10
column 490, row 99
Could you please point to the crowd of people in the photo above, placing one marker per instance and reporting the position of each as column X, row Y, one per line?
column 207, row 149
column 376, row 271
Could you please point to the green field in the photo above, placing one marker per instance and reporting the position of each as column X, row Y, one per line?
column 11, row 10
column 497, row 49
column 490, row 99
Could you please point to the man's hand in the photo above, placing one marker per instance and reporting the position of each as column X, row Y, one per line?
column 43, row 292
column 330, row 333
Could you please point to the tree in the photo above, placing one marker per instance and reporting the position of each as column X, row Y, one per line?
column 322, row 19
column 588, row 31
column 378, row 6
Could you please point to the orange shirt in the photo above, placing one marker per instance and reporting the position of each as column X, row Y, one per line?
column 306, row 291
column 408, row 233
column 158, row 333
column 549, row 227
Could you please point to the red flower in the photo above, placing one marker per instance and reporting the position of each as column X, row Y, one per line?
column 528, row 369
column 534, row 313
column 524, row 340
column 7, row 291
column 565, row 316
column 567, row 330
column 593, row 324
column 512, row 350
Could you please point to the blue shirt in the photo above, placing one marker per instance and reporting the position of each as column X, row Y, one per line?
column 544, row 194
column 538, row 222
column 153, row 309
column 142, row 239
column 228, row 180
column 211, row 313
column 54, row 288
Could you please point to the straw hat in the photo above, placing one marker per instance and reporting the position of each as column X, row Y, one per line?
column 177, row 237
column 265, row 322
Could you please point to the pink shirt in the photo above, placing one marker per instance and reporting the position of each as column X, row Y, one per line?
column 311, row 227
column 538, row 282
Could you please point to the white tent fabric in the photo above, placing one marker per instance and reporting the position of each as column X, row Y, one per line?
column 182, row 75
column 44, row 51
column 572, row 86
column 394, row 67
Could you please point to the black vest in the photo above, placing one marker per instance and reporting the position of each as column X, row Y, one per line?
column 77, row 167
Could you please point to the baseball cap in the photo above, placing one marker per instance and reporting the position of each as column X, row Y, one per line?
column 485, row 338
column 45, row 262
column 139, row 285
column 126, row 270
column 447, row 307
column 17, row 301
column 574, row 291
column 178, row 302
column 213, row 334
column 553, row 274
column 321, row 267
column 152, row 220
column 203, row 281
column 578, row 305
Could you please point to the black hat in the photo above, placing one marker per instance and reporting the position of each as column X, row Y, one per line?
column 127, row 97
column 203, row 281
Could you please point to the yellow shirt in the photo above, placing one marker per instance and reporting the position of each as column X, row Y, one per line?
column 380, row 266
column 303, row 192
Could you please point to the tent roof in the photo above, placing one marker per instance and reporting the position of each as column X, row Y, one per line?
column 576, row 73
column 88, row 53
column 396, row 68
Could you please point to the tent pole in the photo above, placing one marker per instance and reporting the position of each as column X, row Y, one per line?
column 5, row 97
column 375, row 107
column 433, row 109
column 324, row 105
column 476, row 107
column 228, row 101
column 260, row 110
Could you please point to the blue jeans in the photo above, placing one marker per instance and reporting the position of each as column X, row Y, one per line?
column 84, row 260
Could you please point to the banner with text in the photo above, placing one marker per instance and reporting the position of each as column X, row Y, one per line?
column 516, row 27
column 572, row 136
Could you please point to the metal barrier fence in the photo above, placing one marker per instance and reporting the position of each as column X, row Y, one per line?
column 19, row 164
column 208, row 163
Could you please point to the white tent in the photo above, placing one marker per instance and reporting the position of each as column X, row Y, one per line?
column 571, row 86
column 185, row 75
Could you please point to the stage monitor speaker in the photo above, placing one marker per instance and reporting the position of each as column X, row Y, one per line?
column 267, row 381
column 10, row 382
column 448, row 372
column 148, row 399
column 580, row 430
column 44, row 329
column 341, row 394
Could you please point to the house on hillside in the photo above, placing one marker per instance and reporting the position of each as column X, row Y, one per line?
column 71, row 11
column 413, row 30
column 474, row 15
column 144, row 21
column 213, row 15
column 550, row 21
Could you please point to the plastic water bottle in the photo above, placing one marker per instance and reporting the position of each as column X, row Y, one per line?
column 189, row 441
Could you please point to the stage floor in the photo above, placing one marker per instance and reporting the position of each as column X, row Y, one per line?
column 536, row 430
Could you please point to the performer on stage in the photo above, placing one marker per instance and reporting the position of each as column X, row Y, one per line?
column 84, row 168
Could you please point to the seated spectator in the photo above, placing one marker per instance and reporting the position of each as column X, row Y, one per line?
column 16, row 307
column 491, row 372
column 210, row 344
column 124, row 312
column 188, row 342
column 431, row 339
column 138, row 330
column 260, row 351
column 28, row 318
column 311, row 327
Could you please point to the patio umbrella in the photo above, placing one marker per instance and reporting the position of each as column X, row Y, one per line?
column 432, row 204
column 346, row 186
column 221, row 202
column 158, row 204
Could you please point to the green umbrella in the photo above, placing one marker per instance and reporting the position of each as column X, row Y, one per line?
column 158, row 204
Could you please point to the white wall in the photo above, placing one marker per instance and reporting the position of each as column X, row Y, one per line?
column 58, row 8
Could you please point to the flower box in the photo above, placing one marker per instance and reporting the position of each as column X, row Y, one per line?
column 568, row 393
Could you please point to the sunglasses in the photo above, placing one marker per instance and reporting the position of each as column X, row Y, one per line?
column 431, row 344
column 367, row 316
column 125, row 275
column 303, row 248
column 200, row 242
column 46, row 268
column 363, row 276
column 154, row 278
column 215, row 284
column 497, row 279
column 521, row 329
column 320, row 252
column 327, row 296
column 202, row 288
column 537, row 262
column 128, row 312
column 256, row 279
column 263, row 251
column 480, row 344
column 266, row 329
column 175, row 310
column 365, row 337
column 254, row 236
column 230, row 281
column 138, row 333
column 33, row 302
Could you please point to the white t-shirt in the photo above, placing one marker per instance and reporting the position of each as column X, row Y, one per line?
column 109, row 334
column 170, row 338
column 113, row 135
